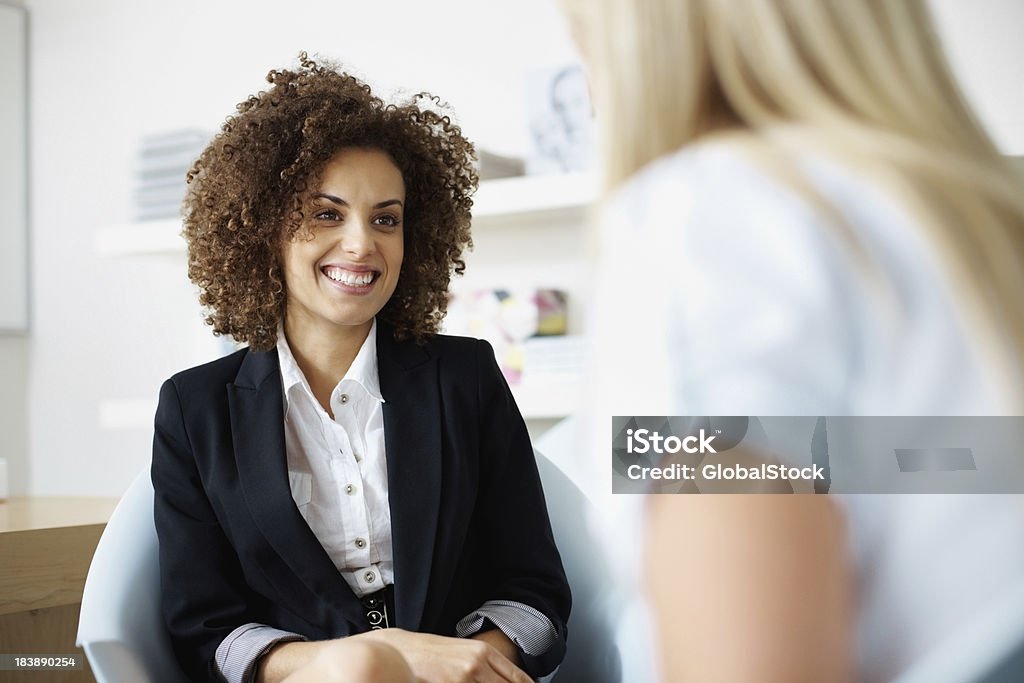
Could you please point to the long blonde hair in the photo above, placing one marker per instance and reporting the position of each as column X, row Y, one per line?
column 863, row 81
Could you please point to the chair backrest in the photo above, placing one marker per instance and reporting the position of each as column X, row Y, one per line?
column 988, row 649
column 592, row 655
column 120, row 626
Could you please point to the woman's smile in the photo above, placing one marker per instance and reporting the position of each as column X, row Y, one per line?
column 350, row 279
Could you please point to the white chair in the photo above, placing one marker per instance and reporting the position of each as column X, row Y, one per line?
column 120, row 626
column 988, row 649
column 592, row 655
column 123, row 635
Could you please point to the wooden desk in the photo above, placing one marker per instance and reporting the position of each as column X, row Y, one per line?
column 46, row 545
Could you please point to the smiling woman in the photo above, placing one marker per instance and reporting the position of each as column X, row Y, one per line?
column 255, row 186
column 299, row 481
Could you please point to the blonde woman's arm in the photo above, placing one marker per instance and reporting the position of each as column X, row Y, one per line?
column 750, row 588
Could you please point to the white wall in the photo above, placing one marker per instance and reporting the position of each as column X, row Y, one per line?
column 983, row 41
column 106, row 72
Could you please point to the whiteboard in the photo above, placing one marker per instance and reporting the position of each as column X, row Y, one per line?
column 13, row 169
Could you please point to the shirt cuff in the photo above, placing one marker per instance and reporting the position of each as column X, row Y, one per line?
column 531, row 631
column 239, row 652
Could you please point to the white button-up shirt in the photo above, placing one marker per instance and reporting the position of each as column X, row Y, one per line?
column 337, row 467
column 337, row 471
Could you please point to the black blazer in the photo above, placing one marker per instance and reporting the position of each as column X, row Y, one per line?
column 469, row 523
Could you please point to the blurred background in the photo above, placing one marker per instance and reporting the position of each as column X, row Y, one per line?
column 95, row 305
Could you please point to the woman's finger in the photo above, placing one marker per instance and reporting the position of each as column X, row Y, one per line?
column 505, row 669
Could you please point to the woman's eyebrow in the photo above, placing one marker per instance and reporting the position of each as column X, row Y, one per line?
column 342, row 202
column 330, row 198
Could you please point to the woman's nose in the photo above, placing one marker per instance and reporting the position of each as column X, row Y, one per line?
column 358, row 238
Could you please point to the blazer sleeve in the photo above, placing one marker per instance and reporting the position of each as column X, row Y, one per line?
column 204, row 595
column 524, row 562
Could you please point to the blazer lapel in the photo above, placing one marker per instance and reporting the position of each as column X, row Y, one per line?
column 412, row 435
column 257, row 426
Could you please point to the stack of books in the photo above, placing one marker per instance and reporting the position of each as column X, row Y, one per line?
column 491, row 166
column 164, row 159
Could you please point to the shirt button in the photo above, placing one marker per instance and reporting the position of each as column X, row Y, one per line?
column 343, row 398
column 360, row 543
column 369, row 576
column 350, row 489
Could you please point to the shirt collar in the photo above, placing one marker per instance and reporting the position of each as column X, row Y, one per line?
column 363, row 370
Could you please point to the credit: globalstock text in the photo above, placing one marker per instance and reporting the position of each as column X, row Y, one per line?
column 642, row 441
column 720, row 471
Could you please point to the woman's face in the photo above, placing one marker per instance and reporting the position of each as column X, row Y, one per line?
column 343, row 265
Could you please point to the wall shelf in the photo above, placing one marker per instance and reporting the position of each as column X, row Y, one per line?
column 541, row 194
column 541, row 401
column 497, row 202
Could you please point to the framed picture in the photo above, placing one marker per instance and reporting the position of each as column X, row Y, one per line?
column 561, row 120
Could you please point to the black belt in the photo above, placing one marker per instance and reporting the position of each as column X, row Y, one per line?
column 380, row 608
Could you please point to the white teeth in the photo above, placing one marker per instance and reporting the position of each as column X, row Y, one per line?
column 349, row 278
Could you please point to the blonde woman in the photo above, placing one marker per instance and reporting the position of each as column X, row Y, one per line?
column 805, row 218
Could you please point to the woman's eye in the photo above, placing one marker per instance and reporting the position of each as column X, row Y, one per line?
column 327, row 215
column 386, row 220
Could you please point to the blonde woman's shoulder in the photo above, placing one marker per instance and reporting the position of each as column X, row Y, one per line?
column 725, row 178
column 707, row 163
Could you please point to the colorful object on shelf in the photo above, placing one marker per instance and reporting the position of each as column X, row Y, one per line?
column 507, row 318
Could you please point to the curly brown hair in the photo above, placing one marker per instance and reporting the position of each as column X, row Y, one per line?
column 245, row 197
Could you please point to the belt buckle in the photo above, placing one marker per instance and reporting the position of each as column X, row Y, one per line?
column 376, row 608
